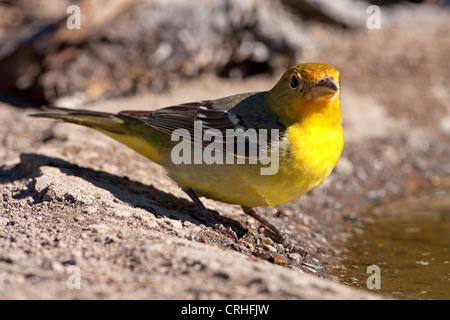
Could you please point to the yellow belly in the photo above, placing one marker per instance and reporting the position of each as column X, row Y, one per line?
column 303, row 165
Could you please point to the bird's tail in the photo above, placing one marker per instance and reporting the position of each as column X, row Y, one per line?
column 128, row 130
column 101, row 121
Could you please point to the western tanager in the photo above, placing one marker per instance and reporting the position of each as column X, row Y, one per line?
column 250, row 149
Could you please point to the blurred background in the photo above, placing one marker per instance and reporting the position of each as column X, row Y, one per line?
column 128, row 46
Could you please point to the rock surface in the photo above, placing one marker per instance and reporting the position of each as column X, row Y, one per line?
column 72, row 197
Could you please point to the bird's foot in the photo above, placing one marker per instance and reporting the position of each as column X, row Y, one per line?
column 206, row 218
column 276, row 234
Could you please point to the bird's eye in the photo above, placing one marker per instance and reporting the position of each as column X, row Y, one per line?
column 295, row 82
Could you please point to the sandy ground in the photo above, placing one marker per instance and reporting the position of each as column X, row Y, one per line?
column 72, row 197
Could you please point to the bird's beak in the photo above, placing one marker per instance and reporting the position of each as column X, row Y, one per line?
column 324, row 88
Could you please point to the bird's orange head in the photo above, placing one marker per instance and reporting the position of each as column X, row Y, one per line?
column 306, row 89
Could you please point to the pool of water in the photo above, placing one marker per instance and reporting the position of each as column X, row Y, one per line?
column 408, row 246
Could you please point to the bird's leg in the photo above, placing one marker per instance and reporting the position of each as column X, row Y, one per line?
column 197, row 201
column 206, row 217
column 279, row 235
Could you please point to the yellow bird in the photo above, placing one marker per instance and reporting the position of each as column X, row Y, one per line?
column 251, row 149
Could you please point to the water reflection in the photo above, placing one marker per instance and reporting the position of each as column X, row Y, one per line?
column 409, row 241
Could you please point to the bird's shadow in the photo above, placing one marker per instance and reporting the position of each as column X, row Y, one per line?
column 128, row 191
